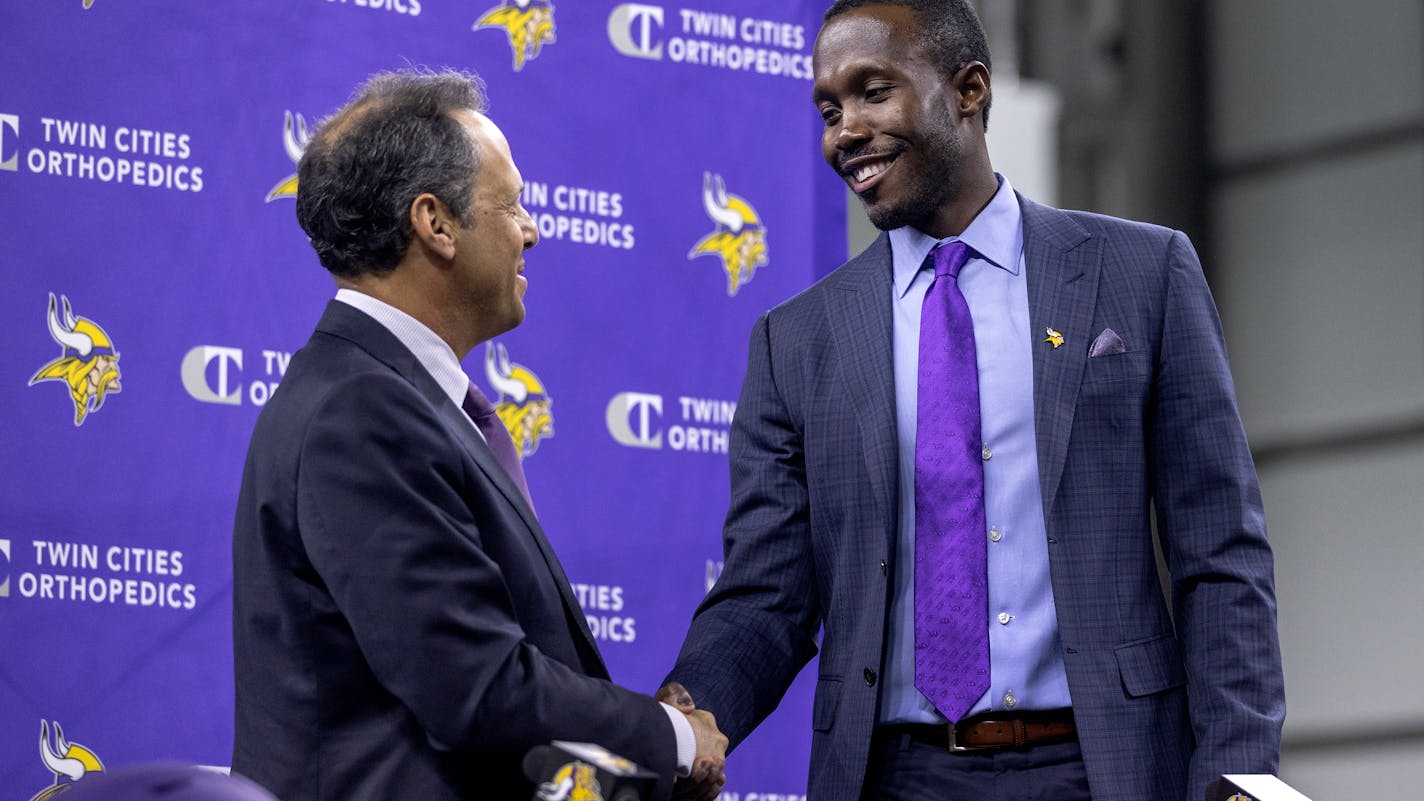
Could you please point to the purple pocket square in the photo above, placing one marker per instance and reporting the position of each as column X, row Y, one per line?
column 1107, row 343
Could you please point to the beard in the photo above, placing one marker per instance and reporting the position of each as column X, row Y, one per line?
column 928, row 186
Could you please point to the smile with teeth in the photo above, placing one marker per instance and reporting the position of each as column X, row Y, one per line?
column 867, row 171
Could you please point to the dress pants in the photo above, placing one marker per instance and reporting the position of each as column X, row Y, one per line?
column 903, row 770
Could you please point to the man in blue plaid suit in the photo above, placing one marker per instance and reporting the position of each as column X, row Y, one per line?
column 1105, row 398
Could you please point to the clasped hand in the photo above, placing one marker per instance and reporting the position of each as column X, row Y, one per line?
column 709, row 765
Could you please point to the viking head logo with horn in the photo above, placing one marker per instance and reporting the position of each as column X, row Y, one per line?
column 575, row 781
column 740, row 238
column 523, row 405
column 89, row 363
column 69, row 762
column 527, row 23
column 294, row 139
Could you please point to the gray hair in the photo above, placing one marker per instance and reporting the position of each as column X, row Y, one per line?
column 366, row 164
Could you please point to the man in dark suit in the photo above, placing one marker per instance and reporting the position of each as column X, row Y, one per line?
column 402, row 628
column 946, row 458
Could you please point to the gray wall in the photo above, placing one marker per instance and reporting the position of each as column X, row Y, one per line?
column 1316, row 207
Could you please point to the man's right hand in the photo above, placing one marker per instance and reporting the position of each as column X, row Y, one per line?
column 708, row 774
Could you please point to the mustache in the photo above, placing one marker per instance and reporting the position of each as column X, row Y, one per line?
column 889, row 151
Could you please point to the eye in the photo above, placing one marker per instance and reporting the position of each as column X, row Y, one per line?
column 875, row 94
column 830, row 115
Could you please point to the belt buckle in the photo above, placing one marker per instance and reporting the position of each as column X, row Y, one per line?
column 956, row 748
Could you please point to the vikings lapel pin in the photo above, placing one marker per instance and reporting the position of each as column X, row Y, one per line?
column 1054, row 338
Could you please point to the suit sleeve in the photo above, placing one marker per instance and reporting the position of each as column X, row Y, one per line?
column 386, row 526
column 1213, row 534
column 757, row 628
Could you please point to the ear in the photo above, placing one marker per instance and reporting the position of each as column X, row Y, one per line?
column 972, row 83
column 433, row 225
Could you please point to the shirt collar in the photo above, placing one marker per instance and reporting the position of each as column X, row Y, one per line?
column 433, row 353
column 995, row 235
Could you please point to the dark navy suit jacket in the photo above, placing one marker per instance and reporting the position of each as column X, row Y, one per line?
column 1163, row 701
column 401, row 627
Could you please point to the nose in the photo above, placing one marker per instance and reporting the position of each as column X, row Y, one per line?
column 530, row 229
column 853, row 130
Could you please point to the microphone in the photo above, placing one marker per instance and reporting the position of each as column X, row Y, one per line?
column 561, row 768
column 164, row 781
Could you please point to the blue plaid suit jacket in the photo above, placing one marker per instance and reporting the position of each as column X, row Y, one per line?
column 1164, row 701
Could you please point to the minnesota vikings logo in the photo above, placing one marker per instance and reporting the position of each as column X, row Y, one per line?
column 528, row 23
column 523, row 405
column 575, row 781
column 88, row 3
column 89, row 364
column 740, row 238
column 294, row 139
column 67, row 761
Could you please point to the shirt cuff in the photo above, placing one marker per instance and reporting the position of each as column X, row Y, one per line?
column 686, row 740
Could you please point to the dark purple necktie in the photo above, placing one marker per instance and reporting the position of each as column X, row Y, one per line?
column 951, row 575
column 478, row 407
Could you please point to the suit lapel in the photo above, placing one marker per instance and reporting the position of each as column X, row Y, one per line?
column 1063, row 261
column 358, row 327
column 462, row 429
column 858, row 305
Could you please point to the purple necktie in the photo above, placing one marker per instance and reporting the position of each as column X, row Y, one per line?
column 951, row 576
column 478, row 407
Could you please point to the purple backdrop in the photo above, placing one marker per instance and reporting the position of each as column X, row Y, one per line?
column 145, row 154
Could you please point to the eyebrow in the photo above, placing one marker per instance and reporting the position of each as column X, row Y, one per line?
column 857, row 74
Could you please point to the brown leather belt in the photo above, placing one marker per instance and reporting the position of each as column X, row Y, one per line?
column 993, row 730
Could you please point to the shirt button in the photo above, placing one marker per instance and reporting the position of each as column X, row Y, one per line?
column 869, row 677
column 995, row 534
column 1009, row 700
column 985, row 452
column 1005, row 617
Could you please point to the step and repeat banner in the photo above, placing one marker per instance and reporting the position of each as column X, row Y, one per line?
column 156, row 284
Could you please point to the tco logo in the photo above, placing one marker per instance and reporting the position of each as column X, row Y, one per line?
column 5, row 567
column 213, row 374
column 9, row 142
column 630, row 419
column 635, row 421
column 630, row 30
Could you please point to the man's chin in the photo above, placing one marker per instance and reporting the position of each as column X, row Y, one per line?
column 885, row 217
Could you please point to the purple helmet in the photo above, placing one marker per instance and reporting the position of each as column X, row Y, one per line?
column 165, row 782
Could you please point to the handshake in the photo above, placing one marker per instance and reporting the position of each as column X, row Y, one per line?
column 708, row 775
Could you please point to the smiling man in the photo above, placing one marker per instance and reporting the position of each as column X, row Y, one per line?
column 401, row 627
column 946, row 460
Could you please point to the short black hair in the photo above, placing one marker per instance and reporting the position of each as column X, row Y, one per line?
column 949, row 29
column 395, row 140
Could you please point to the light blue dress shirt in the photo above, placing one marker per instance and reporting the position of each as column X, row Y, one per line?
column 1025, row 657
